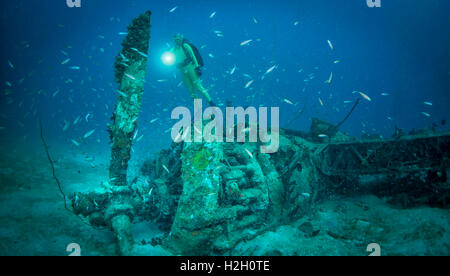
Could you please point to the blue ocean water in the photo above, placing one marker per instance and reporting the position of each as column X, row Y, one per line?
column 401, row 49
column 57, row 65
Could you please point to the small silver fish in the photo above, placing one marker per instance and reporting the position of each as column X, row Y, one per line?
column 233, row 70
column 288, row 101
column 330, row 79
column 249, row 153
column 75, row 143
column 271, row 69
column 89, row 134
column 330, row 44
column 76, row 120
column 165, row 168
column 365, row 96
column 130, row 76
column 246, row 42
column 66, row 125
column 142, row 54
column 124, row 57
column 321, row 102
column 249, row 83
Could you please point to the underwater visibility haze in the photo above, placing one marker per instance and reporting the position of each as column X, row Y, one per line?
column 99, row 156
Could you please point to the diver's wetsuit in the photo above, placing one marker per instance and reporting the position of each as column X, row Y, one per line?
column 187, row 68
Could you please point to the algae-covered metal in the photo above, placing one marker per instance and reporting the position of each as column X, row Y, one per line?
column 130, row 71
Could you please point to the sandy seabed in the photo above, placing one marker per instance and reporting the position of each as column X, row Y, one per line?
column 33, row 220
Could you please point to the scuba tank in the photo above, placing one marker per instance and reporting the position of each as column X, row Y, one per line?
column 197, row 55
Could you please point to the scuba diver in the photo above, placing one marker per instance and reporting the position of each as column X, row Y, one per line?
column 190, row 62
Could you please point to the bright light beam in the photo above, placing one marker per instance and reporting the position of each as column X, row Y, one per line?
column 168, row 58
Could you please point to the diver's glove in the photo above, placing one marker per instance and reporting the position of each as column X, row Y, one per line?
column 198, row 70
